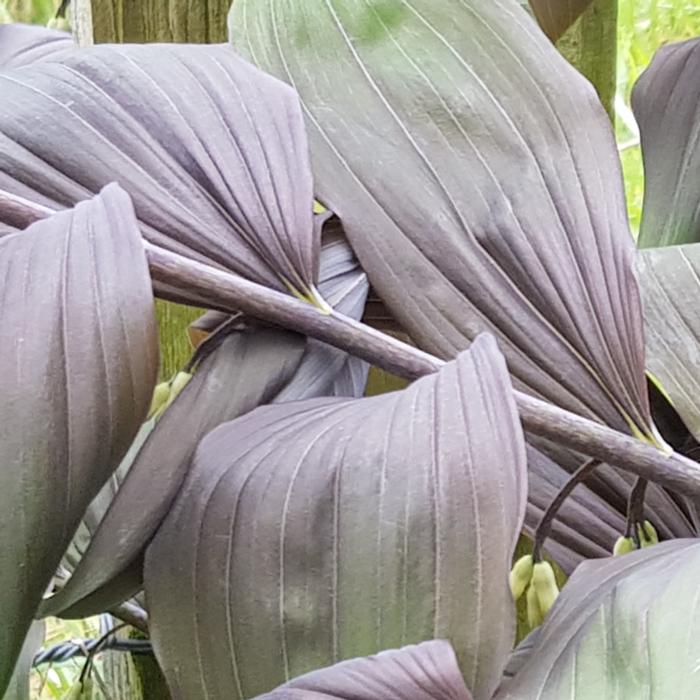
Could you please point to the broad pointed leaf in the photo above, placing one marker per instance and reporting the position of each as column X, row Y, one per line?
column 212, row 151
column 427, row 671
column 670, row 281
column 623, row 627
column 556, row 16
column 76, row 377
column 23, row 45
column 317, row 531
column 250, row 368
column 666, row 103
column 477, row 178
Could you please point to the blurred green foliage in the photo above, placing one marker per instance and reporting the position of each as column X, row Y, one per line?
column 29, row 11
column 644, row 26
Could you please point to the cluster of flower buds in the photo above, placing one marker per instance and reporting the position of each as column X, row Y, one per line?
column 646, row 534
column 537, row 581
column 166, row 392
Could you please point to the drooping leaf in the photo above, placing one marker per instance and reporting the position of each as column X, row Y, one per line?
column 250, row 368
column 666, row 103
column 427, row 671
column 623, row 627
column 76, row 377
column 477, row 178
column 556, row 16
column 317, row 531
column 212, row 151
column 24, row 44
column 670, row 282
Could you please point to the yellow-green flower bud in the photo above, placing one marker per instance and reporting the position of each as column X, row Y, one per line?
column 545, row 585
column 624, row 545
column 161, row 394
column 177, row 385
column 647, row 534
column 534, row 614
column 520, row 576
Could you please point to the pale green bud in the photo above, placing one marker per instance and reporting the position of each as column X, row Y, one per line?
column 520, row 576
column 544, row 583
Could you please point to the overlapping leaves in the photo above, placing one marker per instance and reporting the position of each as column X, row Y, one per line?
column 250, row 367
column 443, row 136
column 212, row 151
column 76, row 375
column 312, row 532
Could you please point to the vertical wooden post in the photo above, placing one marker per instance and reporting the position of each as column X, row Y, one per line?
column 591, row 46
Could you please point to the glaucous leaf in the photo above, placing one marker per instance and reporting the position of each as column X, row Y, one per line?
column 477, row 178
column 426, row 671
column 250, row 368
column 25, row 44
column 670, row 282
column 76, row 378
column 312, row 532
column 666, row 103
column 212, row 151
column 622, row 627
column 556, row 16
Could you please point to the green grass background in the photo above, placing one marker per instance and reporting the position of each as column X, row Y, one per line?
column 644, row 25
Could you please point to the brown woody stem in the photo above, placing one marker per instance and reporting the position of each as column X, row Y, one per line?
column 217, row 289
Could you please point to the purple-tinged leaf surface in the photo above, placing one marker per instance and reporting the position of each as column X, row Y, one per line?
column 25, row 44
column 212, row 151
column 426, row 671
column 556, row 16
column 317, row 531
column 622, row 627
column 246, row 371
column 666, row 103
column 670, row 281
column 594, row 516
column 77, row 369
column 251, row 368
column 477, row 178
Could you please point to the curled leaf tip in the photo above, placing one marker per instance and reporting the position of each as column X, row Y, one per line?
column 520, row 576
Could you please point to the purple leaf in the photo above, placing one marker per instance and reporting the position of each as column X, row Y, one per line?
column 24, row 44
column 556, row 16
column 477, row 178
column 316, row 531
column 666, row 103
column 76, row 378
column 250, row 368
column 427, row 671
column 212, row 151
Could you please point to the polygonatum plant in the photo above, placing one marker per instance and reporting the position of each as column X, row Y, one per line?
column 426, row 188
